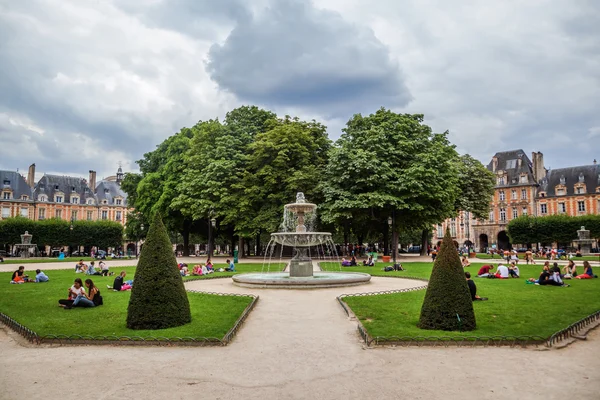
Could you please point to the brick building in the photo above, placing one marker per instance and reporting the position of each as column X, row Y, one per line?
column 62, row 197
column 525, row 187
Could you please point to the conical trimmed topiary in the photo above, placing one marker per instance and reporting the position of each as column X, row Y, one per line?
column 447, row 305
column 158, row 298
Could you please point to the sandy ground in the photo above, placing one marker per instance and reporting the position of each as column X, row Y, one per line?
column 299, row 344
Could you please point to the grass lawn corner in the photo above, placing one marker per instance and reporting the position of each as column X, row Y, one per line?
column 35, row 305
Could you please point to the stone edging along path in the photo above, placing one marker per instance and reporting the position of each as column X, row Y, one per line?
column 32, row 337
column 555, row 339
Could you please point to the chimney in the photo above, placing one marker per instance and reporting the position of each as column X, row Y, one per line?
column 31, row 176
column 595, row 162
column 494, row 164
column 539, row 171
column 92, row 181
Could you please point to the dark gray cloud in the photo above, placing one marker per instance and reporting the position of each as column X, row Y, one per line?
column 294, row 54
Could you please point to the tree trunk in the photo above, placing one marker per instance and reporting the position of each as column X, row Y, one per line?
column 424, row 240
column 346, row 234
column 186, row 238
column 241, row 248
column 394, row 245
column 386, row 241
column 258, row 249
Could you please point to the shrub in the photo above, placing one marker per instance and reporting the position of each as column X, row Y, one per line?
column 447, row 297
column 158, row 298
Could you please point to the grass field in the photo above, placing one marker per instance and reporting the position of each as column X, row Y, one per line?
column 35, row 306
column 514, row 308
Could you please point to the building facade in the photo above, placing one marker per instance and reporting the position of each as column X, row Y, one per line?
column 525, row 187
column 62, row 197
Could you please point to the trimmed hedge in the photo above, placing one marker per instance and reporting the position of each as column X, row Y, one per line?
column 447, row 298
column 552, row 228
column 158, row 298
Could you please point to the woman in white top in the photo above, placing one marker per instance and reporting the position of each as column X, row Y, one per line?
column 74, row 291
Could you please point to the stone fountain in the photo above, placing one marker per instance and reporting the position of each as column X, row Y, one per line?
column 584, row 241
column 300, row 272
column 23, row 249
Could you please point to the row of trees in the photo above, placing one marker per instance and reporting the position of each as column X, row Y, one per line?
column 55, row 232
column 242, row 170
column 552, row 228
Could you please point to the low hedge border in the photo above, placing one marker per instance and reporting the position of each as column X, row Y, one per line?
column 461, row 341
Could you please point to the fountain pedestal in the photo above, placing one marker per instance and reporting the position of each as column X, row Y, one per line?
column 584, row 241
column 301, row 265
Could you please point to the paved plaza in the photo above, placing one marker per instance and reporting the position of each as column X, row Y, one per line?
column 298, row 344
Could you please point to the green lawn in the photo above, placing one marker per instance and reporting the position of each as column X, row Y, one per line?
column 23, row 261
column 239, row 269
column 513, row 309
column 35, row 306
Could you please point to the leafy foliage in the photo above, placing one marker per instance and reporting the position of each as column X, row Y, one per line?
column 447, row 298
column 56, row 232
column 476, row 184
column 552, row 228
column 158, row 298
column 388, row 161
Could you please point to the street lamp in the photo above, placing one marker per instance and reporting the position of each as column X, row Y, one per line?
column 464, row 222
column 212, row 223
column 137, row 253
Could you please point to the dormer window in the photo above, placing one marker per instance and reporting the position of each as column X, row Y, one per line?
column 24, row 197
column 6, row 182
column 6, row 196
column 523, row 178
column 581, row 178
column 73, row 189
column 501, row 180
column 563, row 181
column 90, row 202
column 106, row 191
column 560, row 192
column 42, row 186
column 74, row 200
column 119, row 202
column 542, row 194
column 43, row 198
column 59, row 199
column 105, row 202
column 56, row 187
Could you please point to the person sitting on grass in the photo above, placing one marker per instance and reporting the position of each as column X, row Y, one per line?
column 465, row 262
column 91, row 270
column 90, row 299
column 484, row 271
column 74, row 291
column 353, row 262
column 209, row 265
column 369, row 261
column 119, row 284
column 40, row 276
column 548, row 278
column 588, row 273
column 345, row 263
column 231, row 267
column 473, row 288
column 18, row 276
column 197, row 271
column 80, row 267
column 513, row 270
column 570, row 270
column 502, row 272
column 103, row 268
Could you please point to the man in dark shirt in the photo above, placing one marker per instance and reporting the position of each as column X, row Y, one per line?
column 473, row 288
column 118, row 283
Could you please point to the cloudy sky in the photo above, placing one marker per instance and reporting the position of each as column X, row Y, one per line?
column 85, row 84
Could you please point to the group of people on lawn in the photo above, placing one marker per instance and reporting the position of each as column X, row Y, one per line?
column 204, row 269
column 19, row 276
column 83, row 268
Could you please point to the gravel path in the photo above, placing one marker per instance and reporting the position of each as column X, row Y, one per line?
column 298, row 344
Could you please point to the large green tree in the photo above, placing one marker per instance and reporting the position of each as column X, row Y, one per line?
column 476, row 185
column 391, row 164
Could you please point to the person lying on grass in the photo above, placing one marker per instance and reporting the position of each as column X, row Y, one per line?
column 90, row 299
column 40, row 276
column 119, row 284
column 465, row 262
column 588, row 273
column 473, row 288
column 74, row 291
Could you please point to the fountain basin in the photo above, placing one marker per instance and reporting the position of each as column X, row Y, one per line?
column 283, row 280
column 301, row 239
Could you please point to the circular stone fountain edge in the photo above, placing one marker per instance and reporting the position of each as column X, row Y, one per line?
column 282, row 280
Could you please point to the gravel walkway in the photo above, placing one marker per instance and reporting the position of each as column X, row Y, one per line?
column 298, row 344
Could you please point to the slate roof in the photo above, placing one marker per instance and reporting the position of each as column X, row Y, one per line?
column 18, row 184
column 590, row 174
column 508, row 161
column 69, row 185
column 109, row 190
